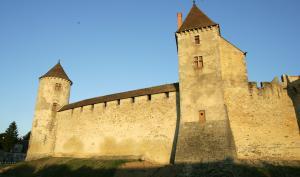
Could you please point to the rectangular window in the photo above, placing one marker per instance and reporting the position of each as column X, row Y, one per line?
column 202, row 118
column 149, row 97
column 57, row 87
column 197, row 39
column 92, row 107
column 132, row 100
column 198, row 62
column 54, row 107
column 167, row 94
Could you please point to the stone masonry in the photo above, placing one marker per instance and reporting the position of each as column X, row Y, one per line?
column 213, row 113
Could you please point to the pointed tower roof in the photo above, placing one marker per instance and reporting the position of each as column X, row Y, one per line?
column 57, row 71
column 196, row 19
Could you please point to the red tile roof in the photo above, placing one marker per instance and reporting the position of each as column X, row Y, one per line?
column 196, row 19
column 57, row 71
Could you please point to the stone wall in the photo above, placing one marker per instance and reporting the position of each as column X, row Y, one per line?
column 293, row 88
column 49, row 99
column 262, row 119
column 201, row 91
column 139, row 128
column 264, row 123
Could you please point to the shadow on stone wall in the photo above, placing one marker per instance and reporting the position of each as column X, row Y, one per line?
column 293, row 89
column 225, row 168
column 175, row 140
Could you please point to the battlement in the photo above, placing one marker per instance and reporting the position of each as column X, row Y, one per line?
column 266, row 89
column 285, row 79
column 270, row 89
column 124, row 95
column 115, row 104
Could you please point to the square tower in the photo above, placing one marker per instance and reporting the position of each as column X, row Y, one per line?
column 204, row 133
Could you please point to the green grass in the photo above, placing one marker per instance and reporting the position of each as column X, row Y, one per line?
column 64, row 167
column 70, row 167
column 221, row 169
column 4, row 165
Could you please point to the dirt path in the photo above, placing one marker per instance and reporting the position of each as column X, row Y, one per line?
column 4, row 169
column 144, row 169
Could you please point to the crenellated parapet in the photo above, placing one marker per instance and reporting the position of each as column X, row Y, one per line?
column 265, row 90
column 275, row 88
column 147, row 94
column 287, row 80
column 133, row 102
column 292, row 84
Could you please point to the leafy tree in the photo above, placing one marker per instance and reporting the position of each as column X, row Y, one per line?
column 10, row 137
column 26, row 137
column 1, row 140
column 25, row 142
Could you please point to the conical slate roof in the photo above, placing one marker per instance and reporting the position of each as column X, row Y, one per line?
column 196, row 19
column 57, row 71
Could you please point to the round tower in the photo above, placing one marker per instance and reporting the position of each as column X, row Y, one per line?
column 53, row 93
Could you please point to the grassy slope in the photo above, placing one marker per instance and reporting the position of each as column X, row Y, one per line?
column 63, row 167
column 3, row 166
column 68, row 167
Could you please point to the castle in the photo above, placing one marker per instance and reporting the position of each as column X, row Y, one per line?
column 213, row 113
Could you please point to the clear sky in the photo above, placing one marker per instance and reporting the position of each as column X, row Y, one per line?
column 119, row 45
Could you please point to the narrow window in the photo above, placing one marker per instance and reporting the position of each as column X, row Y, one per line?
column 198, row 62
column 54, row 107
column 167, row 94
column 105, row 104
column 149, row 97
column 119, row 102
column 197, row 39
column 132, row 100
column 202, row 118
column 57, row 87
column 92, row 107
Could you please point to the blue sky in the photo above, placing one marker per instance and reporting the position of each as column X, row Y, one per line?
column 113, row 46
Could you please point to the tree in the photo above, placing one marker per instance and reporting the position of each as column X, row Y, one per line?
column 26, row 137
column 25, row 142
column 10, row 137
column 1, row 140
